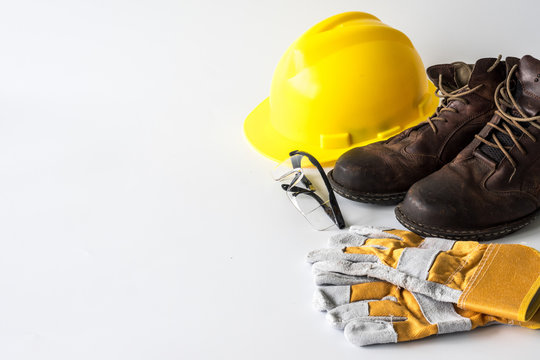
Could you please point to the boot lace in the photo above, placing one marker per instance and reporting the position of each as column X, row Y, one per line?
column 447, row 99
column 505, row 102
column 450, row 96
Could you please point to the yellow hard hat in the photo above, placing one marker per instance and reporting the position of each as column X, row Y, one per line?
column 348, row 81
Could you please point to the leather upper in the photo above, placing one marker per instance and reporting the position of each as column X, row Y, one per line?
column 476, row 190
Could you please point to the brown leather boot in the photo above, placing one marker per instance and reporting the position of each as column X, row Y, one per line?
column 492, row 188
column 382, row 172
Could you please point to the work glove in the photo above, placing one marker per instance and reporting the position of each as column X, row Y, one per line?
column 375, row 312
column 501, row 280
column 378, row 312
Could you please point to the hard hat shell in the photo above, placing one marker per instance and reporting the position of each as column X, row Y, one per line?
column 348, row 81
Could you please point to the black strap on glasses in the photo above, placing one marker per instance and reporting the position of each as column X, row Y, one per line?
column 334, row 212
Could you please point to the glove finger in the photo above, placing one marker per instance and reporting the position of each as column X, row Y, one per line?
column 410, row 239
column 330, row 278
column 340, row 316
column 371, row 232
column 373, row 290
column 343, row 267
column 360, row 235
column 374, row 231
column 346, row 238
column 388, row 237
column 338, row 254
column 327, row 298
column 388, row 307
column 361, row 333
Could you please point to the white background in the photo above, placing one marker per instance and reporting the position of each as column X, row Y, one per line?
column 136, row 222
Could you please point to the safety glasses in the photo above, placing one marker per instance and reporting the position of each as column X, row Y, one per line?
column 308, row 188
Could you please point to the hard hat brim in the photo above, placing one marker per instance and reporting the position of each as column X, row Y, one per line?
column 266, row 140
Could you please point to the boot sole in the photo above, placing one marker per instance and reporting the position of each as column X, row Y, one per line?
column 491, row 233
column 370, row 198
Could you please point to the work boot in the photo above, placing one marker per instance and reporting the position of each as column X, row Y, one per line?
column 492, row 188
column 382, row 172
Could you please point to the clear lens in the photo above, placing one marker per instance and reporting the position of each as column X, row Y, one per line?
column 319, row 216
column 306, row 189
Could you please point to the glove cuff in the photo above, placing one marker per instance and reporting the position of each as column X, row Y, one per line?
column 506, row 283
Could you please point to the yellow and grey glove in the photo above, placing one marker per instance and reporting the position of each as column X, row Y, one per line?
column 378, row 312
column 502, row 280
column 375, row 312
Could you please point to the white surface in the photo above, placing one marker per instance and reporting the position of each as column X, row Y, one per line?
column 137, row 222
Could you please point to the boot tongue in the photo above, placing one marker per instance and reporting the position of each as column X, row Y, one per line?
column 488, row 76
column 454, row 76
column 462, row 73
column 528, row 85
